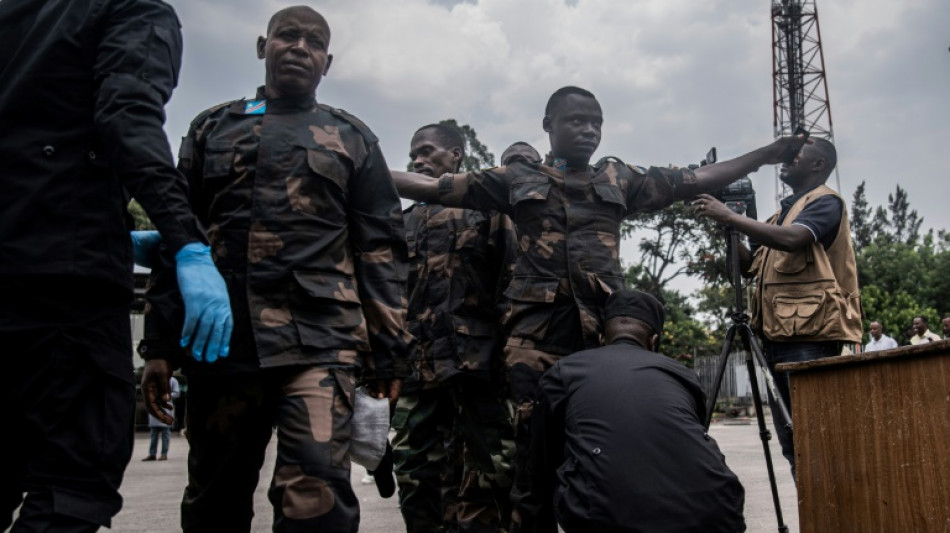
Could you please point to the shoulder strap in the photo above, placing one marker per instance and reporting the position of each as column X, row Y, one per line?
column 360, row 126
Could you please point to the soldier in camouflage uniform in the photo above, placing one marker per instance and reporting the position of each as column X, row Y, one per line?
column 520, row 151
column 567, row 215
column 454, row 410
column 306, row 228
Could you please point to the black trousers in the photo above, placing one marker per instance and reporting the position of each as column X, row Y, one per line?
column 69, row 400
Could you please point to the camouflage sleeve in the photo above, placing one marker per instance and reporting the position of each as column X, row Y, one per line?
column 377, row 237
column 485, row 190
column 503, row 247
column 654, row 188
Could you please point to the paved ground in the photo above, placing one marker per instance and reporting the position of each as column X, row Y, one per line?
column 152, row 490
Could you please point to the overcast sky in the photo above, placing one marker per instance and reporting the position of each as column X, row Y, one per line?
column 674, row 77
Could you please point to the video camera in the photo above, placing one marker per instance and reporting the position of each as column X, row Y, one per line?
column 739, row 196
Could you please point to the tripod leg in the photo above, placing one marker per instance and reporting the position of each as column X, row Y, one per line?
column 749, row 342
column 720, row 370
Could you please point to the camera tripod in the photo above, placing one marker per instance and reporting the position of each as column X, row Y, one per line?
column 753, row 354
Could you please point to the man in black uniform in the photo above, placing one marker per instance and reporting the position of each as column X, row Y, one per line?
column 82, row 91
column 618, row 440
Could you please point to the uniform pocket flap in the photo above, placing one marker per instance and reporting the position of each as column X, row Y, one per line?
column 803, row 305
column 529, row 188
column 327, row 165
column 219, row 156
column 610, row 193
column 474, row 327
column 328, row 286
column 532, row 289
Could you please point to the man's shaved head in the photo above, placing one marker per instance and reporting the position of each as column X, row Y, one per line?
column 296, row 10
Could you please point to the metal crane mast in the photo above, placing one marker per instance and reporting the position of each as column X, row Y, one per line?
column 799, row 87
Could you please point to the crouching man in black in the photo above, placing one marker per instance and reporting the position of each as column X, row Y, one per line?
column 618, row 440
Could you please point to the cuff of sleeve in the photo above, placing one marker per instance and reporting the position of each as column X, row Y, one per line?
column 166, row 349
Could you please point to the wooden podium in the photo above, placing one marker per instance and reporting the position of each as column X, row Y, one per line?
column 872, row 441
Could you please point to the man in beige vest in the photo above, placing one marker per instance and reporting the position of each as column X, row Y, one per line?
column 807, row 304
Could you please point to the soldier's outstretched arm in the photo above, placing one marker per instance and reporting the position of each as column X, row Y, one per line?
column 716, row 176
column 418, row 187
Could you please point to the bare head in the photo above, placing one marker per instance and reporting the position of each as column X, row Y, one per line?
column 812, row 165
column 520, row 151
column 573, row 120
column 295, row 52
column 876, row 330
column 436, row 149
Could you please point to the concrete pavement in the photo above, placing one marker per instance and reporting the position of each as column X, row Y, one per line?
column 152, row 490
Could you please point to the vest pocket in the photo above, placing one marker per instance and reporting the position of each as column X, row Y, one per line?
column 800, row 314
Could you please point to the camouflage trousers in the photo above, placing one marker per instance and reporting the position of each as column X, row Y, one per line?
column 230, row 420
column 525, row 366
column 452, row 453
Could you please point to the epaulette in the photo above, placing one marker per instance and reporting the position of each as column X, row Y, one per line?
column 637, row 168
column 203, row 116
column 360, row 126
column 604, row 160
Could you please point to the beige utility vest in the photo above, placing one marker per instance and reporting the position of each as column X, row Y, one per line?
column 810, row 294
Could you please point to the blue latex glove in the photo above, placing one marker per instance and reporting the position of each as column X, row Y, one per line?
column 208, row 321
column 145, row 247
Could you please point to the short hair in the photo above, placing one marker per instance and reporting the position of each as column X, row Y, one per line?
column 507, row 154
column 287, row 10
column 922, row 319
column 561, row 94
column 448, row 136
column 827, row 151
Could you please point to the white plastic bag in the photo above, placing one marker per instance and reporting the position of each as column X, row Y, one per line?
column 370, row 432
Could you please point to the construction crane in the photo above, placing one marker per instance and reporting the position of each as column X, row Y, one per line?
column 799, row 87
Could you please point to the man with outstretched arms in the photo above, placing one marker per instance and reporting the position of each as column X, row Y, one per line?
column 567, row 216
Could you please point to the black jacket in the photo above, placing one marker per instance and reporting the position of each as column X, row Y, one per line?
column 83, row 86
column 619, row 445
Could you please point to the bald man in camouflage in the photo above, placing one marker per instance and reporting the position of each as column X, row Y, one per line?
column 306, row 228
column 454, row 438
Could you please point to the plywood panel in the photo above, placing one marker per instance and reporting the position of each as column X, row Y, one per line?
column 872, row 442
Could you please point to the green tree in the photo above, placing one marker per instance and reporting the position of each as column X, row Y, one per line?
column 897, row 223
column 862, row 220
column 673, row 243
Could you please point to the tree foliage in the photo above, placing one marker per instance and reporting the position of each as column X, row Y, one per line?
column 895, row 223
column 673, row 243
column 900, row 272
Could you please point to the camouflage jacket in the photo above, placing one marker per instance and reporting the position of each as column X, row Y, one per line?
column 568, row 226
column 306, row 228
column 460, row 264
